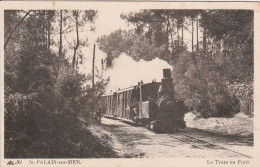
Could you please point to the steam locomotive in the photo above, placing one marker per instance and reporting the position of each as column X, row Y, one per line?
column 152, row 104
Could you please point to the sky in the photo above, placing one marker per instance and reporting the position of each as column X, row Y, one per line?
column 109, row 20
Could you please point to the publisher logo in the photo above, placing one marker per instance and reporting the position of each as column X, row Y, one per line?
column 10, row 163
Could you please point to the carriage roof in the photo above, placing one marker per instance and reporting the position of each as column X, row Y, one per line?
column 129, row 88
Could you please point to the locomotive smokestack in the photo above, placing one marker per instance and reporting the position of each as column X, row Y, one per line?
column 167, row 73
column 166, row 88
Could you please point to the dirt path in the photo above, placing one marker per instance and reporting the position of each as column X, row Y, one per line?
column 134, row 141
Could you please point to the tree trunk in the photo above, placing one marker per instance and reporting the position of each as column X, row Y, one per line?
column 197, row 34
column 77, row 62
column 193, row 55
column 167, row 32
column 192, row 29
column 93, row 67
column 150, row 35
column 178, row 37
column 49, row 31
column 102, row 65
column 204, row 41
column 45, row 36
column 212, row 47
column 172, row 43
column 77, row 44
column 182, row 43
column 16, row 26
column 60, row 48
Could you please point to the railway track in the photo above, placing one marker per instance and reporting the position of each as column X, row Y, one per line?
column 193, row 139
column 185, row 143
column 202, row 144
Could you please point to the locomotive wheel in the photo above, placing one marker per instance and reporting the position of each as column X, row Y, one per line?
column 154, row 126
column 165, row 127
column 151, row 126
column 182, row 125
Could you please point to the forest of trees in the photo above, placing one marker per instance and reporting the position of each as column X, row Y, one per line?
column 44, row 92
column 215, row 75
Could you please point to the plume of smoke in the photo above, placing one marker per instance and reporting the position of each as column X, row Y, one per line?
column 127, row 72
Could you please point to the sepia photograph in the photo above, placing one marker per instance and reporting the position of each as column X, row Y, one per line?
column 128, row 83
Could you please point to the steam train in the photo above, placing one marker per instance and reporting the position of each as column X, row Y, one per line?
column 152, row 104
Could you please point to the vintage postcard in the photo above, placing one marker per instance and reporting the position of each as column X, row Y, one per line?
column 129, row 84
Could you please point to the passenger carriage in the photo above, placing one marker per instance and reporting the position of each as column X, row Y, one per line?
column 135, row 103
column 152, row 104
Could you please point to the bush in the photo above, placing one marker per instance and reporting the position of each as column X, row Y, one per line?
column 45, row 124
column 202, row 87
column 43, row 94
column 41, row 120
column 245, row 94
column 59, row 136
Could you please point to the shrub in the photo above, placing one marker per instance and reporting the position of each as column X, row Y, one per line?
column 202, row 87
column 245, row 94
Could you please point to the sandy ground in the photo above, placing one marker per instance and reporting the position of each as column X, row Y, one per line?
column 130, row 141
column 239, row 125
